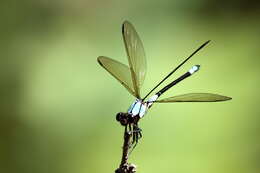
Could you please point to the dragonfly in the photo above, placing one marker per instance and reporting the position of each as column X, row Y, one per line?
column 132, row 78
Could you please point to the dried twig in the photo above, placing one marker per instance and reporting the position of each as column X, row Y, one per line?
column 124, row 166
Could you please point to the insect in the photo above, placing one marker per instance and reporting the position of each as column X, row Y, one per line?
column 132, row 78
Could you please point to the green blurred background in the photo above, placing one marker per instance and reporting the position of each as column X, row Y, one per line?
column 58, row 106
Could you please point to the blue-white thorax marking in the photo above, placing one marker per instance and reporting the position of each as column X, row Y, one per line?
column 140, row 108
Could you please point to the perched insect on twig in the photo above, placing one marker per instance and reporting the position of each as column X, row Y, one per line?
column 132, row 78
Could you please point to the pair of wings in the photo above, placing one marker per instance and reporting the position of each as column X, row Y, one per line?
column 132, row 76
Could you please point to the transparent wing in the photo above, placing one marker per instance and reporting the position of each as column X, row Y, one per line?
column 136, row 56
column 120, row 71
column 195, row 97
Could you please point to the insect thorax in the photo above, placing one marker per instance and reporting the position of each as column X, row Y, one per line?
column 138, row 108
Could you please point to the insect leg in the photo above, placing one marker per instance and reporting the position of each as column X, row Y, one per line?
column 134, row 142
column 140, row 133
column 134, row 137
column 137, row 136
column 130, row 128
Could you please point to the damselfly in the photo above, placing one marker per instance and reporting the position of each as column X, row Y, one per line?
column 132, row 78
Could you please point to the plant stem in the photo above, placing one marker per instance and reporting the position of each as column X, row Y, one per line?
column 126, row 167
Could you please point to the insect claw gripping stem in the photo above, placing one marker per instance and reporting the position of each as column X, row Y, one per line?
column 136, row 135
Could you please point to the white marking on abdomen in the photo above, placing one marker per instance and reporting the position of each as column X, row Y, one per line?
column 194, row 69
column 152, row 99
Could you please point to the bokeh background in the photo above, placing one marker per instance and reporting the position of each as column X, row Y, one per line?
column 58, row 106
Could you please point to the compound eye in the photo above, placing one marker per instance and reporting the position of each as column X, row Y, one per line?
column 119, row 116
